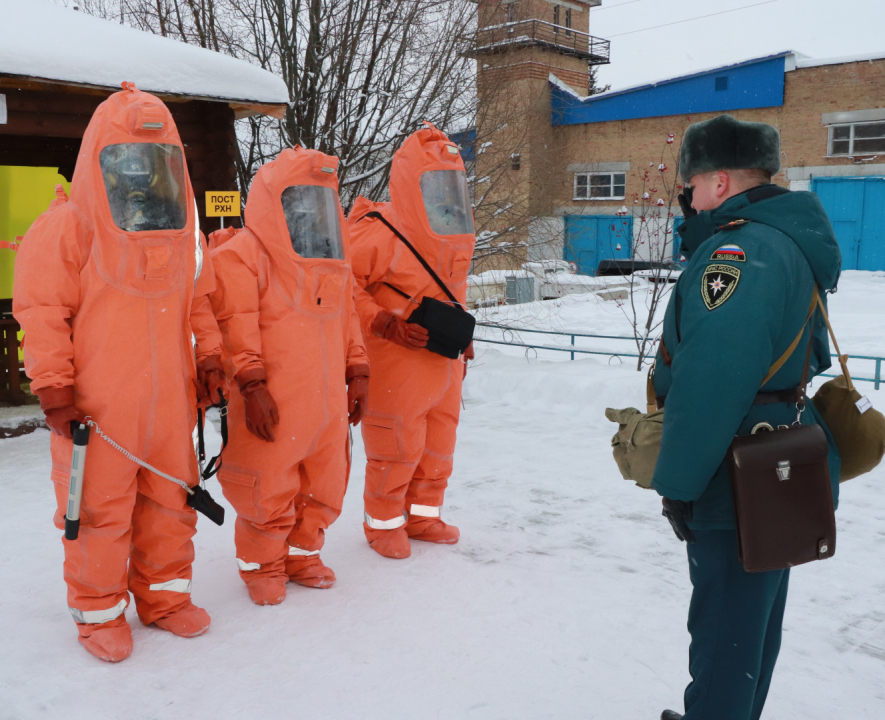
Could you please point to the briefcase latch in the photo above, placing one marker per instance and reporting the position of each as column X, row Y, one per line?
column 783, row 470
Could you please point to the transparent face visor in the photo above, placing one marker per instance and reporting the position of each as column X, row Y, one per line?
column 312, row 218
column 447, row 202
column 145, row 183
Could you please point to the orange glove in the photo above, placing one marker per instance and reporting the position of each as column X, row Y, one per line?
column 357, row 398
column 467, row 355
column 410, row 335
column 58, row 407
column 210, row 380
column 262, row 415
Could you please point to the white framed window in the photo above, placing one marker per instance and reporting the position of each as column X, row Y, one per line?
column 600, row 186
column 863, row 138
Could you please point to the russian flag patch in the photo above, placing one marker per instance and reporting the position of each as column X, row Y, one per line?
column 729, row 252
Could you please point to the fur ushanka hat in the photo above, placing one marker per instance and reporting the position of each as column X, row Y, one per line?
column 724, row 143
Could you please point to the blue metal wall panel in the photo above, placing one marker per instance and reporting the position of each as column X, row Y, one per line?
column 589, row 239
column 466, row 140
column 872, row 232
column 755, row 84
column 856, row 208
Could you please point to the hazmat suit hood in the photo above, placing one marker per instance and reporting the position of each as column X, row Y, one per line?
column 132, row 186
column 428, row 193
column 799, row 215
column 269, row 210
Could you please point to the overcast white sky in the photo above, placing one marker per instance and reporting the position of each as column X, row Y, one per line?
column 819, row 28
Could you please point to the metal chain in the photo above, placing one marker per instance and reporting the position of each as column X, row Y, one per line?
column 91, row 423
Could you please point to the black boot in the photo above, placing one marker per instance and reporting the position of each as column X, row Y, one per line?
column 670, row 715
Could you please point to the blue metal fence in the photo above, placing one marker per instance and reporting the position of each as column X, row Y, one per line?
column 572, row 349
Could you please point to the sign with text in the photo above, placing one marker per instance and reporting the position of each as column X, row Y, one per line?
column 225, row 203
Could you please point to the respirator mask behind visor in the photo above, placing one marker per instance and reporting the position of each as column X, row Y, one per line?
column 145, row 184
column 447, row 202
column 312, row 218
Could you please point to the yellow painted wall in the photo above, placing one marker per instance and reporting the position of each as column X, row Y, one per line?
column 25, row 193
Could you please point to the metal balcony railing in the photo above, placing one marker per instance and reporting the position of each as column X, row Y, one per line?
column 539, row 33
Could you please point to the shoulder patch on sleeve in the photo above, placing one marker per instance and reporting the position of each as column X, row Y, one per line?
column 730, row 253
column 718, row 284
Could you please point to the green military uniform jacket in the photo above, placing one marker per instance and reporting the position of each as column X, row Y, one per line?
column 736, row 308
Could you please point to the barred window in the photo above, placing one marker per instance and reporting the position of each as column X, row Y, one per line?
column 857, row 139
column 600, row 186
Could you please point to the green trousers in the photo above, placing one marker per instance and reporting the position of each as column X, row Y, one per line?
column 735, row 623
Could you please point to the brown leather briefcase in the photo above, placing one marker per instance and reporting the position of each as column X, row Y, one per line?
column 780, row 481
column 783, row 500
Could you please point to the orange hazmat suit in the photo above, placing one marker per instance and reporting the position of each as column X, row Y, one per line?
column 110, row 288
column 284, row 303
column 414, row 394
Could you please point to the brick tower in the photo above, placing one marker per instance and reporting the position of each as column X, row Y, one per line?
column 518, row 46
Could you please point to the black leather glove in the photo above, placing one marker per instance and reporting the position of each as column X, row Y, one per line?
column 685, row 202
column 679, row 513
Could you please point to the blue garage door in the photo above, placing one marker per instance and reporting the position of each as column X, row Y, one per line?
column 856, row 207
column 590, row 239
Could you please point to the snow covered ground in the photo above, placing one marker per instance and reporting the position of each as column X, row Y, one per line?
column 565, row 599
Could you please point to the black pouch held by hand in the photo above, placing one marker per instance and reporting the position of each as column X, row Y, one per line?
column 449, row 325
column 202, row 502
column 450, row 328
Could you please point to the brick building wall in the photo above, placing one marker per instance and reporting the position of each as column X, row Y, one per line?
column 516, row 154
column 537, row 190
column 808, row 94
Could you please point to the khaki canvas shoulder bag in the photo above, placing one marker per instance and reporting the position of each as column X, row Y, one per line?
column 637, row 442
column 857, row 428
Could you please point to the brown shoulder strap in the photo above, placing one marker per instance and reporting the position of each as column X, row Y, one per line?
column 843, row 359
column 651, row 402
column 779, row 363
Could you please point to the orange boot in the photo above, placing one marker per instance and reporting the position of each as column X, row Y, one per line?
column 267, row 590
column 110, row 641
column 190, row 621
column 389, row 543
column 309, row 570
column 432, row 530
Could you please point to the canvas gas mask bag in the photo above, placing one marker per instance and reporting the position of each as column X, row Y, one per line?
column 779, row 476
column 857, row 428
column 637, row 442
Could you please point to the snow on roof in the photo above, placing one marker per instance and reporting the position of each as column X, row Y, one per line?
column 47, row 41
column 817, row 62
column 564, row 86
column 672, row 38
